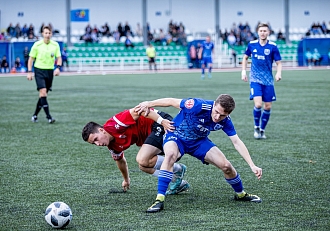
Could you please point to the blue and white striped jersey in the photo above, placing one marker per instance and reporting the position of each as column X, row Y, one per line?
column 194, row 121
column 262, row 61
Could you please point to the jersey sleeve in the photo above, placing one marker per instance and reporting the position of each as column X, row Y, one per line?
column 58, row 52
column 229, row 128
column 116, row 156
column 248, row 50
column 189, row 105
column 33, row 51
column 276, row 54
column 119, row 122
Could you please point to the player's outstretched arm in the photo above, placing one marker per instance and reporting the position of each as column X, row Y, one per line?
column 244, row 65
column 29, row 67
column 243, row 151
column 164, row 102
column 123, row 167
column 278, row 75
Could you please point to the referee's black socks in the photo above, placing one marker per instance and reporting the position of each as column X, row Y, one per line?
column 44, row 104
column 38, row 107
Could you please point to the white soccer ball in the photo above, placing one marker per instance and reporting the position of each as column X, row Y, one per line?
column 58, row 215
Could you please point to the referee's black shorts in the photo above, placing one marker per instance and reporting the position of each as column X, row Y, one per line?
column 155, row 138
column 44, row 78
column 152, row 60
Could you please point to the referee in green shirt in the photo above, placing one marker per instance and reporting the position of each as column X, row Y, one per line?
column 151, row 53
column 43, row 54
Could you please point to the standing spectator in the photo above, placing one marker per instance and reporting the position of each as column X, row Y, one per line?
column 120, row 30
column 26, row 56
column 280, row 36
column 25, row 31
column 127, row 30
column 4, row 65
column 88, row 29
column 138, row 30
column 18, row 32
column 151, row 53
column 206, row 51
column 31, row 32
column 64, row 55
column 192, row 55
column 199, row 57
column 241, row 27
column 44, row 52
column 116, row 36
column 11, row 30
column 317, row 58
column 150, row 37
column 263, row 53
column 42, row 26
column 106, row 31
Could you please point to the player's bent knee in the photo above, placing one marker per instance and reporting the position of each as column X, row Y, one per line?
column 227, row 168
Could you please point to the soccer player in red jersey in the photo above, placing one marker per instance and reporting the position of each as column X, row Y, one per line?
column 127, row 128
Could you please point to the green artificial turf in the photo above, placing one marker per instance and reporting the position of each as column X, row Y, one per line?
column 41, row 163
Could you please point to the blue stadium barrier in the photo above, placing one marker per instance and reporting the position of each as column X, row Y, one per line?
column 4, row 50
column 322, row 45
column 15, row 49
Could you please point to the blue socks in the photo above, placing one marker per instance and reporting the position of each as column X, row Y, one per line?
column 264, row 119
column 256, row 116
column 236, row 184
column 164, row 178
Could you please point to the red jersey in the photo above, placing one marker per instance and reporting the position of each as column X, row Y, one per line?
column 127, row 131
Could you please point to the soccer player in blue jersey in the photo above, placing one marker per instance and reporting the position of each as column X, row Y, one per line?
column 205, row 54
column 262, row 52
column 189, row 134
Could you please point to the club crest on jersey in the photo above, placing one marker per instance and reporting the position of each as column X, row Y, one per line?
column 218, row 127
column 189, row 103
column 267, row 51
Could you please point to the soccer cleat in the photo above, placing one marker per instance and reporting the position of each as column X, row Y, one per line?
column 157, row 206
column 248, row 197
column 184, row 186
column 51, row 120
column 262, row 135
column 256, row 132
column 202, row 77
column 210, row 76
column 34, row 119
column 178, row 176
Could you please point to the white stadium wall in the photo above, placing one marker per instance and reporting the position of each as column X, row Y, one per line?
column 196, row 15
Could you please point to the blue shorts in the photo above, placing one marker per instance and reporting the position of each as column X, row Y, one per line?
column 206, row 60
column 266, row 92
column 196, row 148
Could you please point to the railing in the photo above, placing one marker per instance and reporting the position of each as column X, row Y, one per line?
column 125, row 63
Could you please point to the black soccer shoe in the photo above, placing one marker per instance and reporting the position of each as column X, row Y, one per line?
column 157, row 206
column 248, row 197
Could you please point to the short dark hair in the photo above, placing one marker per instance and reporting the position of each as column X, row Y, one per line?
column 263, row 25
column 46, row 27
column 90, row 128
column 226, row 102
